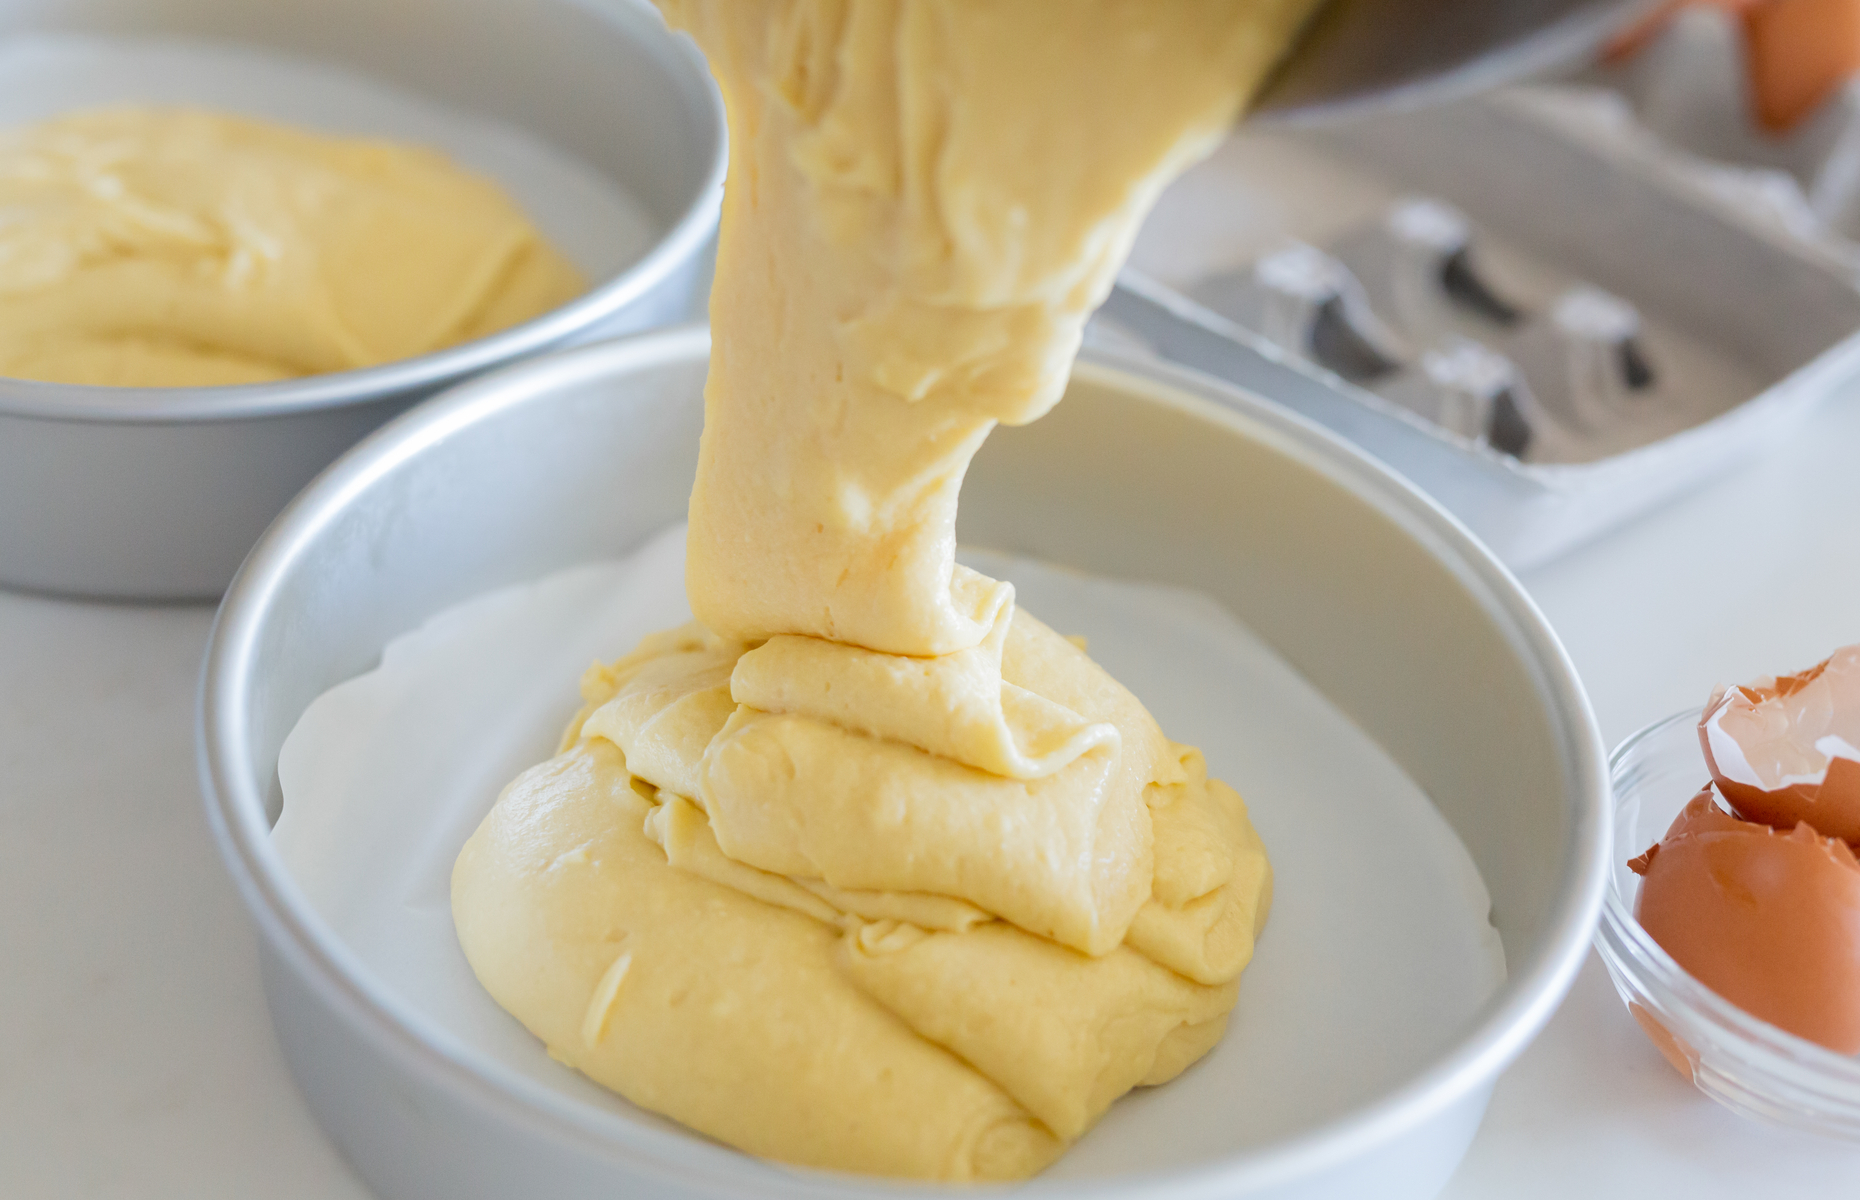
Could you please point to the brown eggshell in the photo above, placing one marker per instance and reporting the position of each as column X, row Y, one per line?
column 1768, row 920
column 1776, row 724
column 1799, row 53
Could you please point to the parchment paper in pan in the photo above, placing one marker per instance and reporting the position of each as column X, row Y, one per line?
column 1378, row 950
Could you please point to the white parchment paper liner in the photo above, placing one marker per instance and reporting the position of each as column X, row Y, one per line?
column 1378, row 950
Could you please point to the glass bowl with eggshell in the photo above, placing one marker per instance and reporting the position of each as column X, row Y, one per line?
column 1746, row 1064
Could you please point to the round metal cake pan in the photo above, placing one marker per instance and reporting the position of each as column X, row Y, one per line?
column 1379, row 597
column 157, row 494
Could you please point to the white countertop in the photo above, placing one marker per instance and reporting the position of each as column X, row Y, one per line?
column 135, row 1055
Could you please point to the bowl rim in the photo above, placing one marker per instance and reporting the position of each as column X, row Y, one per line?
column 1628, row 948
column 237, row 812
column 682, row 241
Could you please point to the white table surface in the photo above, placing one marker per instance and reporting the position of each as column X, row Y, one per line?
column 135, row 1056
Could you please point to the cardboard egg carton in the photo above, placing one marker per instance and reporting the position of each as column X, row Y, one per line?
column 1530, row 303
column 1403, row 308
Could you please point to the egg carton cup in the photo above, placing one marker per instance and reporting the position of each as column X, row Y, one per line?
column 1746, row 322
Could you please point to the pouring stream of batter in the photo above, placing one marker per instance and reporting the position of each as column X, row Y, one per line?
column 868, row 869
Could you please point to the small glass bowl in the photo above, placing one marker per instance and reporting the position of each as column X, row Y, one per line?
column 1747, row 1065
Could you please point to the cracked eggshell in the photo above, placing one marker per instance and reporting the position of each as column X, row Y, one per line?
column 1787, row 749
column 1768, row 920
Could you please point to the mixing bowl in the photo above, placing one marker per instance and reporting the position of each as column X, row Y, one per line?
column 158, row 493
column 1378, row 597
